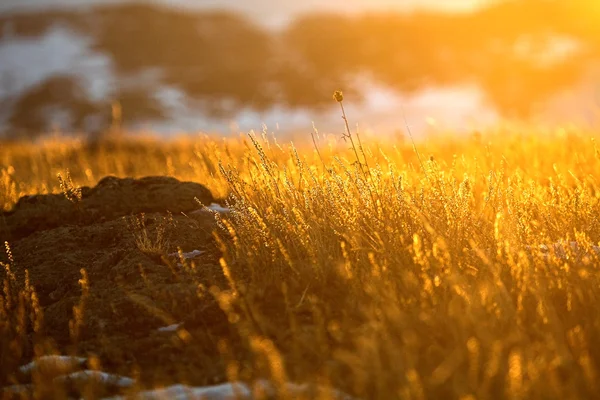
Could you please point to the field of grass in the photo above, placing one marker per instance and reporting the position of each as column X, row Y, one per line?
column 460, row 267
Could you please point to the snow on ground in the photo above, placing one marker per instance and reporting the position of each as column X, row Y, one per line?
column 381, row 110
column 218, row 208
column 95, row 377
column 29, row 61
column 69, row 374
column 566, row 251
column 170, row 328
column 226, row 391
column 214, row 208
column 26, row 62
column 186, row 256
column 57, row 363
column 189, row 255
column 235, row 391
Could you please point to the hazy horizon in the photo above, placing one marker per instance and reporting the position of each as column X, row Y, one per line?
column 265, row 11
column 429, row 67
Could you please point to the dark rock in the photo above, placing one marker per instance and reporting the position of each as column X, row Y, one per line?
column 129, row 292
column 111, row 198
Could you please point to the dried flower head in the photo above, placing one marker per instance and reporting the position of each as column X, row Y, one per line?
column 338, row 96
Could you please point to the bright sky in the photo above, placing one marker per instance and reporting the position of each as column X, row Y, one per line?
column 268, row 11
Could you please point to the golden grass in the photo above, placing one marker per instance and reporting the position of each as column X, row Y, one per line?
column 420, row 279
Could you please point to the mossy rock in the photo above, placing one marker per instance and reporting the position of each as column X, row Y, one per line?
column 111, row 198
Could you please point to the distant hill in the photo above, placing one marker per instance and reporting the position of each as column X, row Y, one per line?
column 267, row 12
column 68, row 67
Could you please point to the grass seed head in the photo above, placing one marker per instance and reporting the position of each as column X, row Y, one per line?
column 338, row 96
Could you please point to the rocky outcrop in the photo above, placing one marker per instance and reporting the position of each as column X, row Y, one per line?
column 130, row 271
column 111, row 198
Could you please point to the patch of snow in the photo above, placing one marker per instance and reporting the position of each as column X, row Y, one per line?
column 562, row 250
column 222, row 392
column 214, row 207
column 170, row 328
column 189, row 255
column 234, row 391
column 89, row 376
column 226, row 391
column 452, row 107
column 60, row 364
column 27, row 62
column 218, row 208
column 30, row 61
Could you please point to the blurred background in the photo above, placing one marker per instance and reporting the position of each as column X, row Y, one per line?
column 233, row 65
